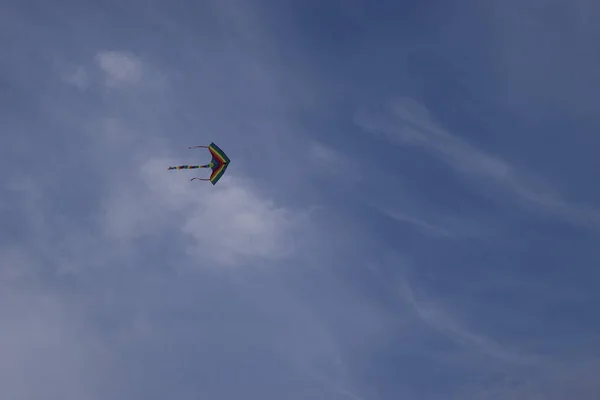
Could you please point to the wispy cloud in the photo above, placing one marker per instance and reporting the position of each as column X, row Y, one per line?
column 78, row 78
column 439, row 320
column 405, row 122
column 424, row 226
column 120, row 69
column 555, row 381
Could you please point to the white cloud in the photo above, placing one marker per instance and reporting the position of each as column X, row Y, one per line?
column 235, row 223
column 120, row 69
column 229, row 223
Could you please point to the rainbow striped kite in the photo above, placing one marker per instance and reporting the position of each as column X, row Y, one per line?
column 218, row 164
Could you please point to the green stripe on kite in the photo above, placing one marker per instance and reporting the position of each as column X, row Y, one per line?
column 218, row 153
column 218, row 174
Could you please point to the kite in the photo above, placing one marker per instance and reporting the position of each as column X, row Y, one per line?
column 218, row 164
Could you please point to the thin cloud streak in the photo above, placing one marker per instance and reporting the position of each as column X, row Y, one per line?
column 408, row 123
column 442, row 322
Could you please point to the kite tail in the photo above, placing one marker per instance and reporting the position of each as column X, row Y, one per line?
column 196, row 147
column 190, row 166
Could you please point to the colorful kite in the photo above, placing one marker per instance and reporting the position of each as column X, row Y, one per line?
column 218, row 164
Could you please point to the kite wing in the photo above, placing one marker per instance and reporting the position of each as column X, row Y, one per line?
column 218, row 164
column 217, row 173
column 218, row 153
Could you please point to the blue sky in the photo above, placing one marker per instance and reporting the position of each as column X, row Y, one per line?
column 411, row 211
